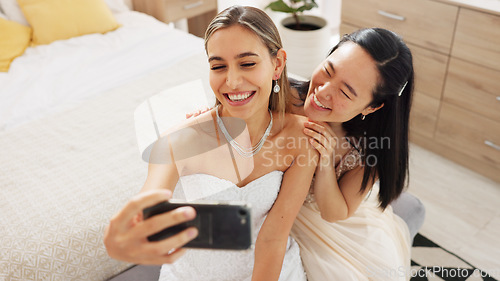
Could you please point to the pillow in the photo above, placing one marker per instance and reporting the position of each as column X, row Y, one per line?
column 13, row 12
column 14, row 39
column 53, row 20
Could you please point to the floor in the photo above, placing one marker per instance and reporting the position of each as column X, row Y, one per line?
column 462, row 208
column 139, row 273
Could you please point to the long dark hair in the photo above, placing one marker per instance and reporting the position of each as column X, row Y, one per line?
column 395, row 89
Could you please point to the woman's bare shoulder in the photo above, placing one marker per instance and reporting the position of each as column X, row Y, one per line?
column 294, row 123
column 294, row 133
column 195, row 129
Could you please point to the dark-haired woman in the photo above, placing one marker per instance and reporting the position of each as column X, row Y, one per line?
column 358, row 102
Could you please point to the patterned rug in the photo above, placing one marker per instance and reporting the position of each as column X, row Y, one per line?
column 430, row 262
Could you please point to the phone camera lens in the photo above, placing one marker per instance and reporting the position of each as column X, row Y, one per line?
column 243, row 212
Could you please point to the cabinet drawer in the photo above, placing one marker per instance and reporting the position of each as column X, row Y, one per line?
column 173, row 10
column 477, row 38
column 424, row 113
column 430, row 71
column 178, row 9
column 469, row 133
column 474, row 88
column 422, row 22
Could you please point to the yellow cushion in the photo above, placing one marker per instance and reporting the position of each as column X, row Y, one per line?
column 53, row 20
column 14, row 39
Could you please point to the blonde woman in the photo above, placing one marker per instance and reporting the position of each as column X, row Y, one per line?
column 248, row 77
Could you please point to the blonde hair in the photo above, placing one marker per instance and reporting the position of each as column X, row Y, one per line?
column 258, row 22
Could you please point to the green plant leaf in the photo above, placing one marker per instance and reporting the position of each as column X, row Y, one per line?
column 305, row 2
column 280, row 6
column 307, row 7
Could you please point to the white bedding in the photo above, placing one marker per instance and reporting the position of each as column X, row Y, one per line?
column 54, row 77
column 65, row 175
column 68, row 150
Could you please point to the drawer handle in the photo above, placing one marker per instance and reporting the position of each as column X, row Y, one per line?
column 491, row 144
column 194, row 5
column 391, row 16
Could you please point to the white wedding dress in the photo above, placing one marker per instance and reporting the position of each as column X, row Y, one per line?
column 220, row 265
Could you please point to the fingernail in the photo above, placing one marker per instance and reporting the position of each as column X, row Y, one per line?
column 189, row 213
column 193, row 232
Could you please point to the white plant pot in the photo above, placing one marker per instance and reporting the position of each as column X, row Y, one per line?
column 305, row 49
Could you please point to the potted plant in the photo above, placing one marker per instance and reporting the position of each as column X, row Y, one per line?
column 305, row 37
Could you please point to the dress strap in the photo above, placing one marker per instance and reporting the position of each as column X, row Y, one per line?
column 349, row 161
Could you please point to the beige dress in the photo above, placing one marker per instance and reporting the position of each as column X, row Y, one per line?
column 369, row 245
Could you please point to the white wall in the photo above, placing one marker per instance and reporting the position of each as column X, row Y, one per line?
column 329, row 9
column 222, row 4
column 128, row 3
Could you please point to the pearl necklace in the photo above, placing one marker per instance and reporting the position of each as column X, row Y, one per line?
column 243, row 151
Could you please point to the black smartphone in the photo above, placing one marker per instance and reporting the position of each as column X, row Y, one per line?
column 221, row 225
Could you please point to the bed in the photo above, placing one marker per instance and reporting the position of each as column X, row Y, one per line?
column 69, row 149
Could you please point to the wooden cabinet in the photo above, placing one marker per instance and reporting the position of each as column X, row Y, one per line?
column 470, row 134
column 425, row 23
column 424, row 114
column 473, row 87
column 477, row 38
column 456, row 51
column 198, row 12
column 469, row 120
column 430, row 71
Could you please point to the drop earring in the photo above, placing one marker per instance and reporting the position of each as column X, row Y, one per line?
column 363, row 117
column 276, row 88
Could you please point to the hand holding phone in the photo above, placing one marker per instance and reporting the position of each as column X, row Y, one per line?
column 121, row 245
column 220, row 225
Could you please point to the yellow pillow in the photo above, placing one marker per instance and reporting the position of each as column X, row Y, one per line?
column 14, row 39
column 53, row 20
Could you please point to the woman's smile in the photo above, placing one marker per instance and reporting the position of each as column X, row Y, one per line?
column 317, row 104
column 239, row 98
column 241, row 71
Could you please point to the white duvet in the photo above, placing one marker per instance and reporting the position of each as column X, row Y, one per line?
column 50, row 78
column 65, row 174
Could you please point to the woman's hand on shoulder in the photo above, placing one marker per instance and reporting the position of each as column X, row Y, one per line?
column 126, row 235
column 197, row 112
column 324, row 140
